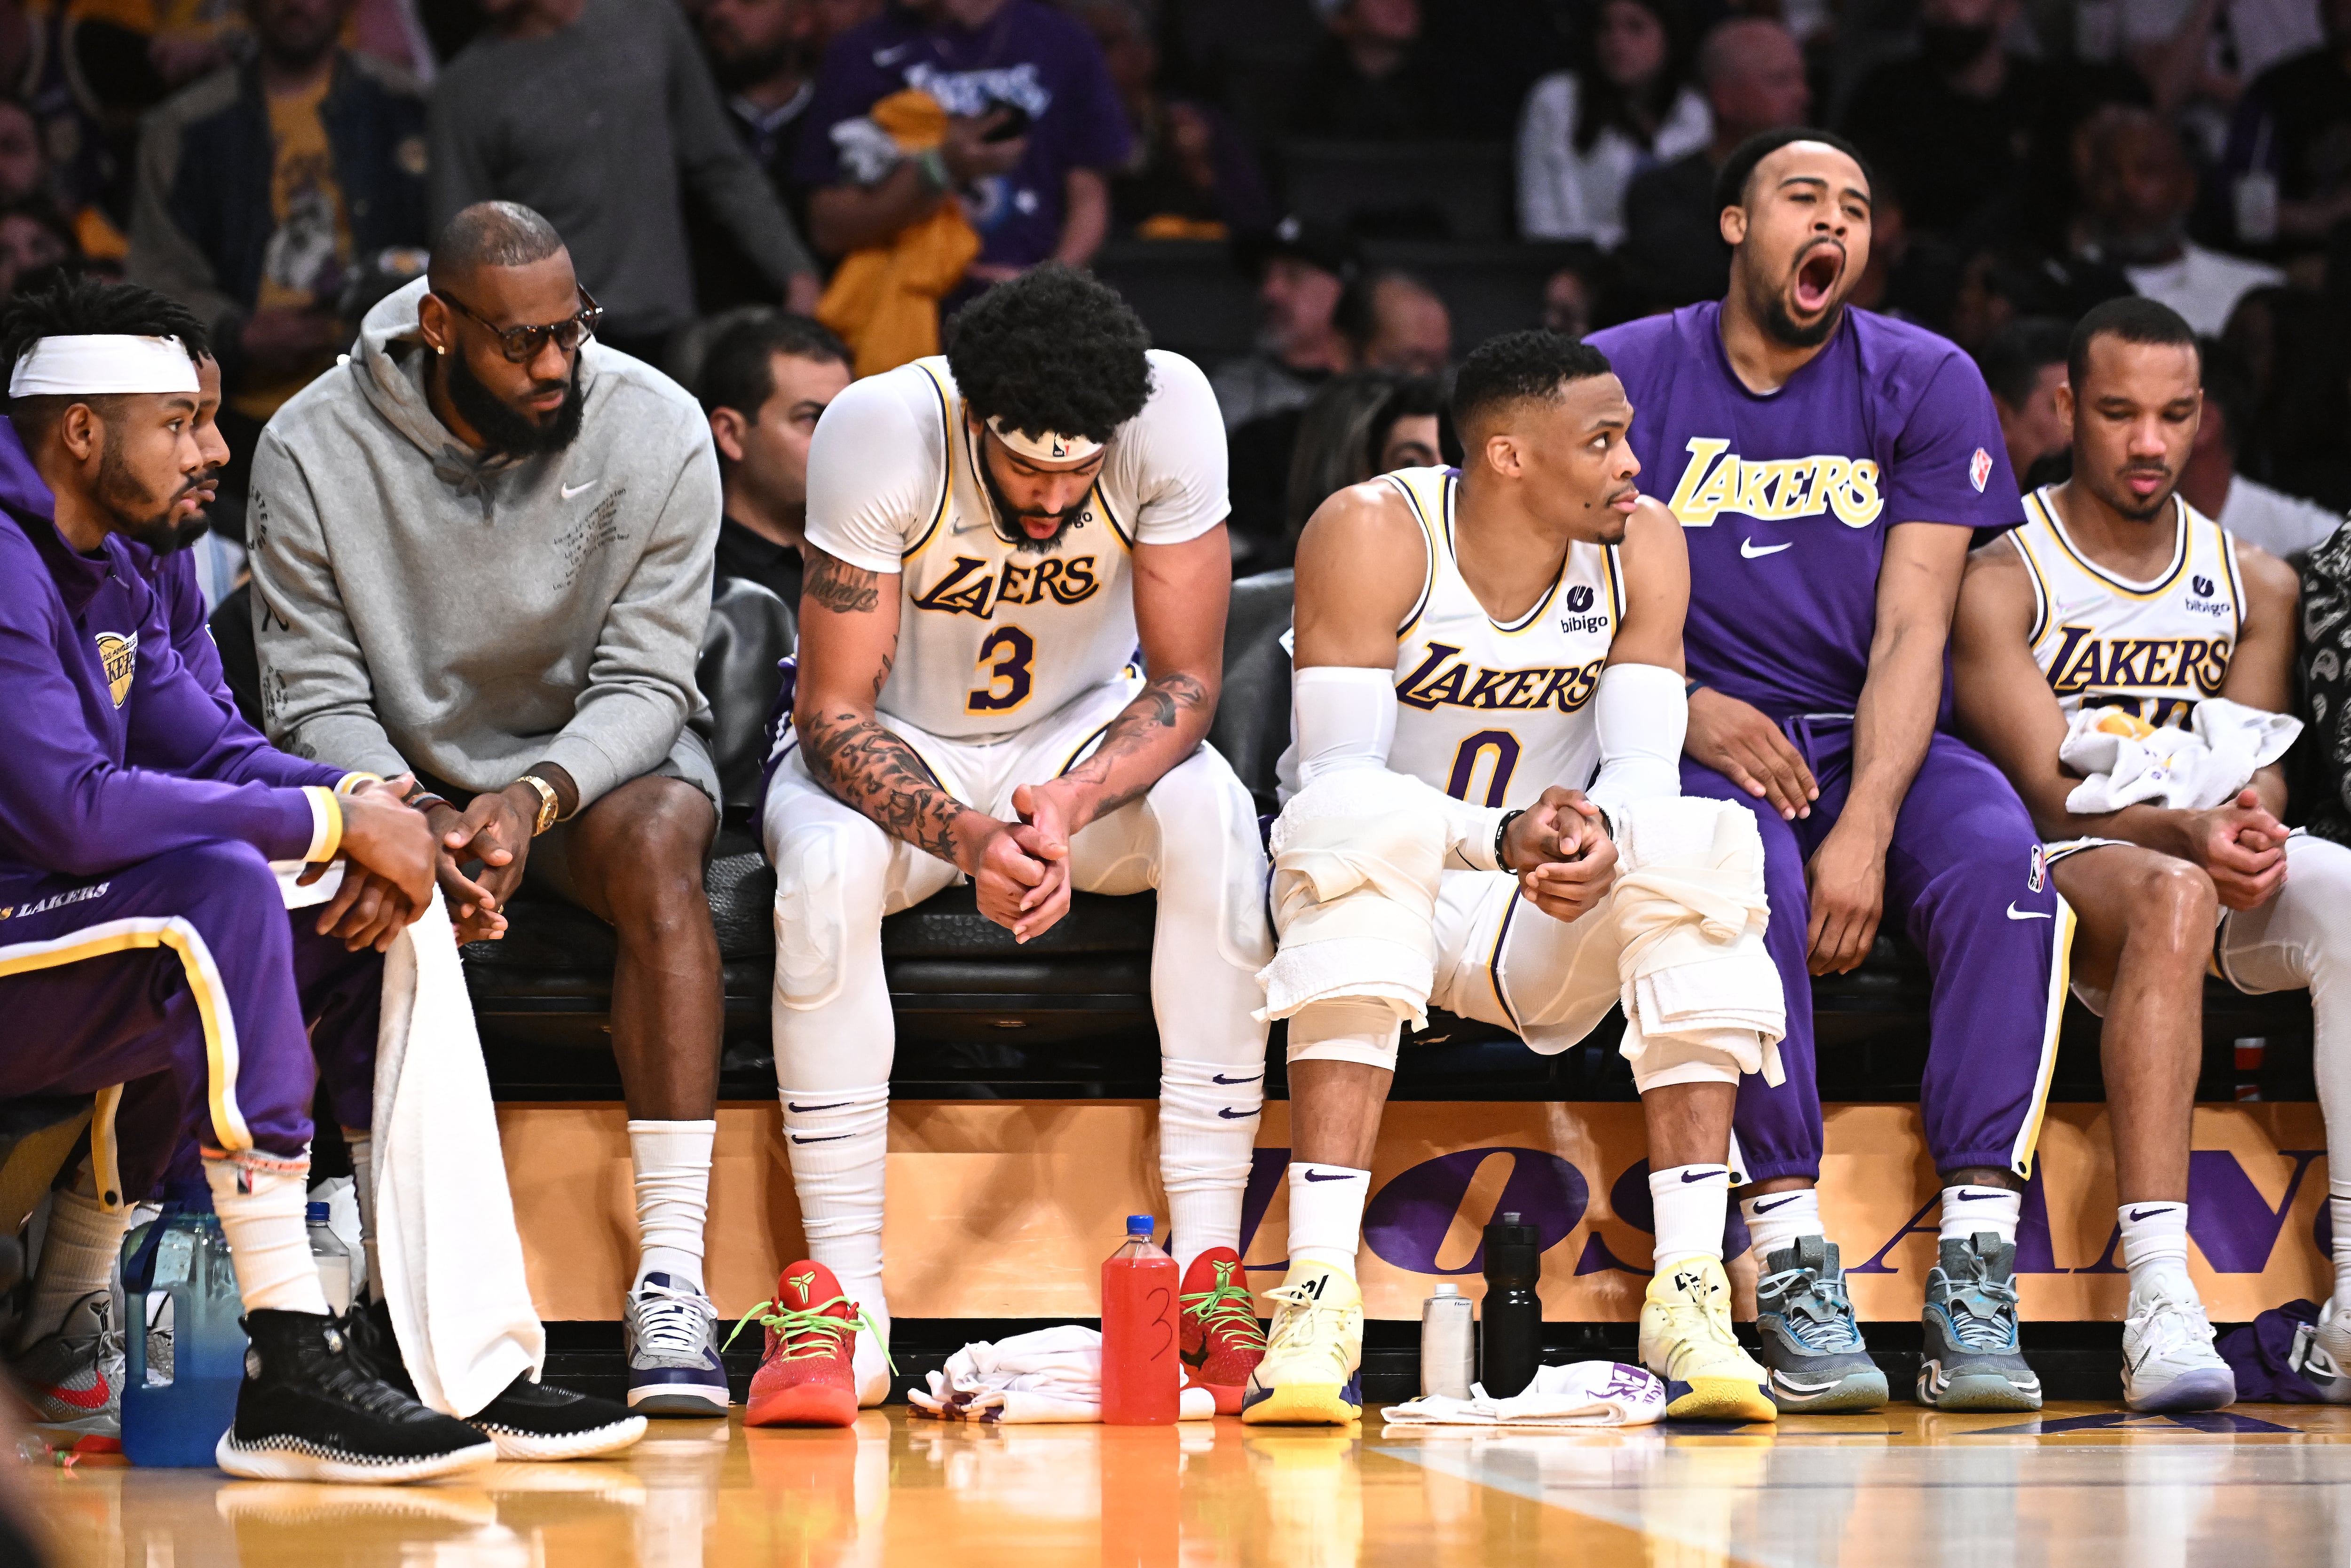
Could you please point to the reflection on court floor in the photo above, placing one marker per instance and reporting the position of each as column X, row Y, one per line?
column 2081, row 1485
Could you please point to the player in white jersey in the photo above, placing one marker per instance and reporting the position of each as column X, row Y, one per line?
column 2116, row 594
column 1473, row 651
column 992, row 535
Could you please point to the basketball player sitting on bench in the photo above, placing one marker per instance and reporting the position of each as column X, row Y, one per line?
column 1496, row 634
column 2117, row 596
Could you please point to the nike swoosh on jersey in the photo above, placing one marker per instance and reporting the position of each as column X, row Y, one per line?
column 2016, row 914
column 1750, row 550
column 571, row 490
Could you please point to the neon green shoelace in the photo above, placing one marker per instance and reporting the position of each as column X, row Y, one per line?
column 1225, row 1306
column 803, row 1334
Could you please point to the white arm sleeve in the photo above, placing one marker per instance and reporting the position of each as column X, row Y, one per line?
column 1173, row 455
column 1346, row 718
column 874, row 469
column 1641, row 712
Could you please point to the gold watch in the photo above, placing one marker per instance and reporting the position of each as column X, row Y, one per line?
column 546, row 818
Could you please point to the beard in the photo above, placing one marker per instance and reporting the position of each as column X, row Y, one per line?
column 137, row 515
column 509, row 432
column 1008, row 520
column 2130, row 506
column 1772, row 313
column 750, row 67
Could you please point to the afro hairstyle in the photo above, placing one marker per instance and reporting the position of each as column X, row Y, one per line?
column 1052, row 350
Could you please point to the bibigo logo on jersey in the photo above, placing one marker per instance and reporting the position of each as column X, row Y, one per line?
column 1720, row 480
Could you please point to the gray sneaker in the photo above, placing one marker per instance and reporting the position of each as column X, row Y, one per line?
column 73, row 1378
column 671, row 1337
column 1812, row 1346
column 1971, row 1360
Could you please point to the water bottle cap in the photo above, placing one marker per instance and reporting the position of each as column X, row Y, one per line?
column 1138, row 1225
column 1511, row 1218
column 1448, row 1291
column 317, row 1214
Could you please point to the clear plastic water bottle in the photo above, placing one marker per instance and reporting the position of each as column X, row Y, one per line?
column 332, row 1259
column 173, row 1415
column 1447, row 1344
column 1142, row 1366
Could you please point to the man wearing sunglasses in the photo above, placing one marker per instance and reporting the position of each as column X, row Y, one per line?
column 481, row 554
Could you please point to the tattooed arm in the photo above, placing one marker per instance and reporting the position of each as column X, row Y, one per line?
column 1181, row 592
column 849, row 635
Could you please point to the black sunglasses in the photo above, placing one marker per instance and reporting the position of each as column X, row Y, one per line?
column 521, row 344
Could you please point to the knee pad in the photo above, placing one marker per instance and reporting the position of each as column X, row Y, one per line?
column 815, row 867
column 1346, row 1031
column 1670, row 1059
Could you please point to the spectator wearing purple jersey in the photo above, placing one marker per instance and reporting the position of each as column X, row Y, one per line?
column 1035, row 127
column 1828, row 465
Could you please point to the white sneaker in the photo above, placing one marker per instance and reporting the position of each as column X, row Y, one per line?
column 2168, row 1362
column 2322, row 1353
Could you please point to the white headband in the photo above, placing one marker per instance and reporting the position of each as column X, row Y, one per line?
column 94, row 364
column 1046, row 448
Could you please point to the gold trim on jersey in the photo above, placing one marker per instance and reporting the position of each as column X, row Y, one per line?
column 1509, row 629
column 2122, row 585
column 1494, row 966
column 2060, row 979
column 2236, row 583
column 947, row 466
column 1615, row 569
column 1097, row 499
column 1429, row 542
column 2033, row 570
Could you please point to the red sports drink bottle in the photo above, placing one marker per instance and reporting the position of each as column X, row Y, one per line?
column 1142, row 1372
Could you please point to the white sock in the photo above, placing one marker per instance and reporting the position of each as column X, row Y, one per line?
column 2338, row 1209
column 362, row 1148
column 262, row 1213
column 837, row 1141
column 1690, row 1203
column 77, row 1253
column 2155, row 1247
column 1204, row 1152
column 672, row 1166
column 1968, row 1209
column 1776, row 1220
column 1326, row 1214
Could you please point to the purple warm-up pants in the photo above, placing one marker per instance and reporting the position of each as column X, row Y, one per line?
column 177, row 991
column 1964, row 882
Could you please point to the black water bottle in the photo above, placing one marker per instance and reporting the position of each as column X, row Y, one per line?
column 1509, row 1323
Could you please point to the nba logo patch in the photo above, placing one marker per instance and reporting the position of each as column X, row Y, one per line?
column 2036, row 875
column 1980, row 469
column 119, row 655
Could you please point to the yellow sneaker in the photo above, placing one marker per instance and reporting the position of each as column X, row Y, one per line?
column 1685, row 1338
column 1308, row 1375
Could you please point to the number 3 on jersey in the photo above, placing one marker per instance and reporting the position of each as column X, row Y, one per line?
column 1008, row 656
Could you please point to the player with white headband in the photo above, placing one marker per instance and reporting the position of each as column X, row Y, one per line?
column 146, row 959
column 992, row 535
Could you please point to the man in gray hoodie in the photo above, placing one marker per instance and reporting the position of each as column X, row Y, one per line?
column 481, row 554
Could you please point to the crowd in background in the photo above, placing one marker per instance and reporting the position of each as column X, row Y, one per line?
column 278, row 165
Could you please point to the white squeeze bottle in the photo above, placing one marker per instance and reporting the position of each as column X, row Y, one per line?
column 1447, row 1354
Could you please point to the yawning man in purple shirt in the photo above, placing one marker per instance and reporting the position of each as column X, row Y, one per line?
column 1827, row 466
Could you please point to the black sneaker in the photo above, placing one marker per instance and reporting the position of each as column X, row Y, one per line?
column 527, row 1421
column 309, row 1410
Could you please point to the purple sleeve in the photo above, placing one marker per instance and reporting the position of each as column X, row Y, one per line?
column 1949, row 463
column 1093, row 132
column 64, row 804
column 847, row 86
column 240, row 754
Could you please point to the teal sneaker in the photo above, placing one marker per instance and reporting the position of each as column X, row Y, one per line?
column 1971, row 1360
column 1812, row 1346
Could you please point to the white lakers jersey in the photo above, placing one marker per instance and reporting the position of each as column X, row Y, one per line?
column 2153, row 649
column 994, row 634
column 1494, row 714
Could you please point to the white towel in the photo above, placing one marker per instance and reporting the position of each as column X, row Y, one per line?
column 1357, row 858
column 445, row 1222
column 1691, row 910
column 1049, row 1375
column 1588, row 1394
column 2127, row 761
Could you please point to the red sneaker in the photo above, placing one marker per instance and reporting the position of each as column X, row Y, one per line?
column 806, row 1376
column 1222, row 1342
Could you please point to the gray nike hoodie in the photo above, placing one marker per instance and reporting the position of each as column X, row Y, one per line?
column 418, row 605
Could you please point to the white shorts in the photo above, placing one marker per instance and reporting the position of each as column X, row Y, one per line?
column 1500, row 960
